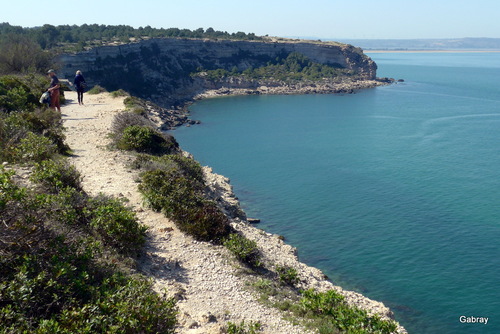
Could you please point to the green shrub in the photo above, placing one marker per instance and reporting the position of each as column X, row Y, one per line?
column 15, row 95
column 16, row 126
column 67, row 207
column 169, row 192
column 118, row 93
column 287, row 275
column 125, row 306
column 34, row 148
column 123, row 120
column 136, row 105
column 116, row 224
column 132, row 101
column 180, row 197
column 133, row 132
column 47, row 122
column 56, row 175
column 54, row 285
column 176, row 165
column 96, row 90
column 205, row 221
column 330, row 310
column 147, row 140
column 244, row 249
column 243, row 328
column 8, row 190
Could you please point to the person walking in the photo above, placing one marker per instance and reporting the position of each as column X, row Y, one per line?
column 54, row 90
column 80, row 85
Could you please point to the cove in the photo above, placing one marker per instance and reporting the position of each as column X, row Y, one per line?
column 392, row 192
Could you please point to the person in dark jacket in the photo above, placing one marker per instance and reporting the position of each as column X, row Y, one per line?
column 80, row 85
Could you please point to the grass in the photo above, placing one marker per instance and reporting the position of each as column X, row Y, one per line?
column 243, row 328
column 96, row 90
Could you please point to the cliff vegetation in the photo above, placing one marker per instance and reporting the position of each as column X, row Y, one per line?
column 294, row 67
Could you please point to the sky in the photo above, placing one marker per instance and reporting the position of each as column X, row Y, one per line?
column 342, row 19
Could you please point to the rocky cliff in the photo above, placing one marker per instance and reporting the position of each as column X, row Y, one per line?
column 160, row 69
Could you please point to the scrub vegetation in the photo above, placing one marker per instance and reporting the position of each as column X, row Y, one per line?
column 288, row 68
column 66, row 258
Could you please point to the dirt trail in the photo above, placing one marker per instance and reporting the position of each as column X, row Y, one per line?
column 203, row 277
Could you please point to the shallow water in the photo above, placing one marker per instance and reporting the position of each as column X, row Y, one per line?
column 393, row 192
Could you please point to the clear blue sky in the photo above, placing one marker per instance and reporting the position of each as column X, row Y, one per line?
column 292, row 18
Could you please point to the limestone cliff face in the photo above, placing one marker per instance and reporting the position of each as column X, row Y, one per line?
column 159, row 69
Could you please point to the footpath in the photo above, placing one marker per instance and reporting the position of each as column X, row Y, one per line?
column 202, row 276
column 210, row 286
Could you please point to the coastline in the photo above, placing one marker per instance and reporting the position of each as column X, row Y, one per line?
column 345, row 87
column 274, row 250
column 210, row 286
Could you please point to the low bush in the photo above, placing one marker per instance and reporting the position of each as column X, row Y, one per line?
column 96, row 90
column 34, row 148
column 40, row 129
column 174, row 163
column 116, row 225
column 287, row 275
column 243, row 328
column 119, row 93
column 330, row 311
column 133, row 132
column 66, row 207
column 15, row 95
column 23, row 123
column 204, row 221
column 53, row 276
column 176, row 189
column 169, row 192
column 123, row 120
column 55, row 175
column 146, row 140
column 244, row 249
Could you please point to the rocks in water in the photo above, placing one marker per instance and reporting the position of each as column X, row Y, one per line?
column 253, row 220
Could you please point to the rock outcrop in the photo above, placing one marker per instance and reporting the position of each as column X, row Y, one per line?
column 160, row 69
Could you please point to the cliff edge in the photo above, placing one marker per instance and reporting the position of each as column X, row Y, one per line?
column 161, row 70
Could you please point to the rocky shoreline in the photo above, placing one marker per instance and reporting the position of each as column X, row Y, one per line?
column 171, row 118
column 345, row 87
column 276, row 252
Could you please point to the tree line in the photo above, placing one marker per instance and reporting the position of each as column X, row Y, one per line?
column 32, row 49
column 49, row 36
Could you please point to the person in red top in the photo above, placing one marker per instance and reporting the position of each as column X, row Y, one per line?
column 54, row 90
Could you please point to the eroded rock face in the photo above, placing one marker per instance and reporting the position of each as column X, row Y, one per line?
column 159, row 69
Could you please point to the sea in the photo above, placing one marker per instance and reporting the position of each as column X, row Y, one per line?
column 393, row 192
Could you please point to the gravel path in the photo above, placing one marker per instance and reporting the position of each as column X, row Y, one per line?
column 206, row 280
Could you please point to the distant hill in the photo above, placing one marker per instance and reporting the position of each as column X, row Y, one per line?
column 426, row 44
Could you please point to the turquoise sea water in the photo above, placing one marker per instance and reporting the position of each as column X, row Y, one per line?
column 393, row 192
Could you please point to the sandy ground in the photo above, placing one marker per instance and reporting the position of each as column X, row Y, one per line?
column 205, row 279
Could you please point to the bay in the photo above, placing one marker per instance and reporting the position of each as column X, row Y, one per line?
column 393, row 192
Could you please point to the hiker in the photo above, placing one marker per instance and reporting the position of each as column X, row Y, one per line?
column 80, row 85
column 54, row 90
